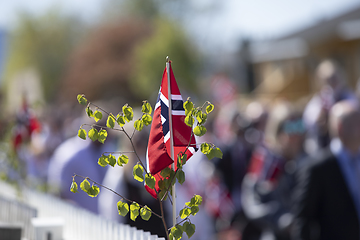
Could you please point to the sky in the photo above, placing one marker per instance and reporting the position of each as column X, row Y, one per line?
column 215, row 23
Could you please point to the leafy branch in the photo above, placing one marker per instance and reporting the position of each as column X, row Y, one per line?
column 195, row 117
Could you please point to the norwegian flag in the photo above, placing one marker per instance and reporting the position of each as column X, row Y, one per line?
column 159, row 146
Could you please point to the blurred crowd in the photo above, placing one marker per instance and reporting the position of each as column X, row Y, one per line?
column 290, row 170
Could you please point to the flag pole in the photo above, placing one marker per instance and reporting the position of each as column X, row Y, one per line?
column 171, row 139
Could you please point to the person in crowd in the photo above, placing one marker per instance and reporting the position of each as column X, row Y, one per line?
column 332, row 88
column 268, row 183
column 328, row 193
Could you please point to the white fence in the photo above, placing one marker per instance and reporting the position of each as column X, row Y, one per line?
column 79, row 224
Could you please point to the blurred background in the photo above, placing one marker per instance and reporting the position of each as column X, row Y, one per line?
column 243, row 56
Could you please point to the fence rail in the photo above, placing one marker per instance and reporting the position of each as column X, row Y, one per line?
column 79, row 224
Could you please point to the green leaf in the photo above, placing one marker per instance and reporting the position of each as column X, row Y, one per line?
column 209, row 108
column 120, row 120
column 110, row 123
column 199, row 130
column 97, row 115
column 139, row 125
column 214, row 152
column 150, row 180
column 189, row 120
column 123, row 159
column 85, row 185
column 188, row 106
column 74, row 187
column 194, row 210
column 123, row 208
column 180, row 175
column 196, row 200
column 138, row 173
column 93, row 134
column 102, row 161
column 189, row 229
column 205, row 148
column 82, row 133
column 145, row 213
column 102, row 135
column 134, row 210
column 81, row 99
column 185, row 212
column 165, row 172
column 176, row 232
column 201, row 117
column 146, row 108
column 146, row 119
column 111, row 160
column 89, row 112
column 93, row 191
column 128, row 113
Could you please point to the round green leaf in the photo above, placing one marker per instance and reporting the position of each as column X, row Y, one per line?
column 128, row 113
column 188, row 106
column 146, row 108
column 209, row 108
column 165, row 172
column 138, row 173
column 93, row 191
column 81, row 99
column 189, row 229
column 123, row 208
column 199, row 130
column 180, row 175
column 85, row 185
column 111, row 160
column 110, row 123
column 120, row 120
column 97, row 115
column 93, row 134
column 146, row 118
column 139, row 125
column 176, row 232
column 194, row 210
column 145, row 213
column 189, row 120
column 150, row 180
column 123, row 159
column 185, row 212
column 134, row 210
column 205, row 148
column 82, row 133
column 102, row 135
column 74, row 187
column 102, row 161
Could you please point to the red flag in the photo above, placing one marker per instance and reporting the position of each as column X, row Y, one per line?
column 158, row 152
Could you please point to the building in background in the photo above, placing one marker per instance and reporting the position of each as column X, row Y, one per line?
column 284, row 67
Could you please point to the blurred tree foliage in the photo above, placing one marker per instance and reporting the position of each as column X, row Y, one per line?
column 167, row 40
column 42, row 43
column 101, row 65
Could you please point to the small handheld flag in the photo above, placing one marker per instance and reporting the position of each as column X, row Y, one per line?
column 159, row 145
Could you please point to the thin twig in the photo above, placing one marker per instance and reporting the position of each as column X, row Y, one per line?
column 126, row 199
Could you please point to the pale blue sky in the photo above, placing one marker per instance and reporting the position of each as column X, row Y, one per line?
column 259, row 19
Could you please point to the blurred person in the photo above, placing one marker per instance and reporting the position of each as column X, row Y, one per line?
column 332, row 88
column 328, row 195
column 78, row 156
column 268, row 183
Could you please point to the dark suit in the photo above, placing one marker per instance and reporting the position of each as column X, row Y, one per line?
column 324, row 207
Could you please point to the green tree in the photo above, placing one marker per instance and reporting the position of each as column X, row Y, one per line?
column 42, row 43
column 168, row 38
